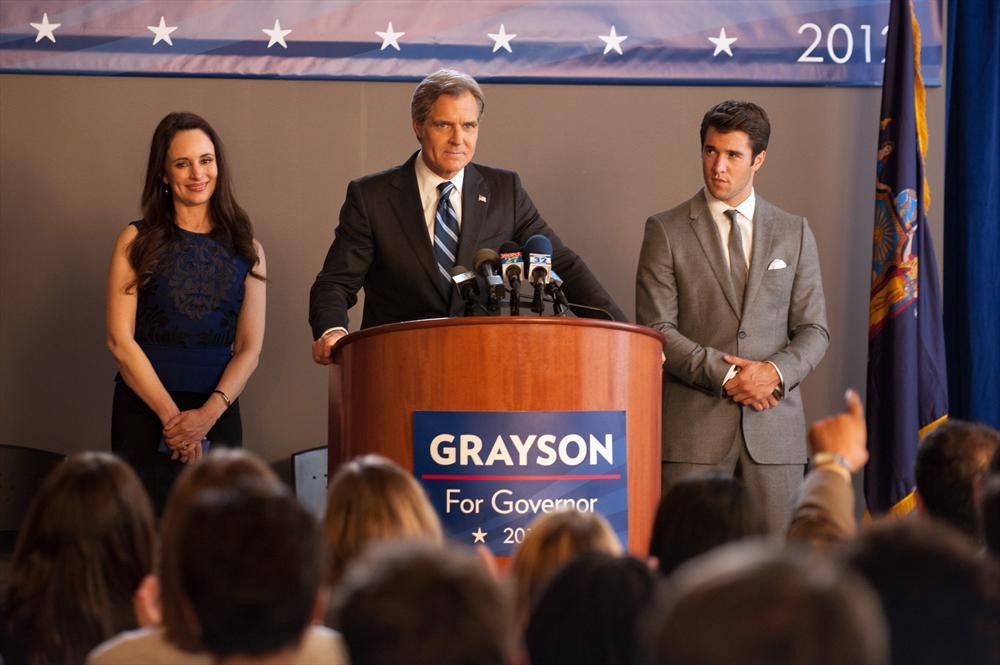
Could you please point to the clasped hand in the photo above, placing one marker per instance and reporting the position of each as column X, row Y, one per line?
column 753, row 384
column 184, row 432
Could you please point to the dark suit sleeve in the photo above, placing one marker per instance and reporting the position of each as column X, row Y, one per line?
column 579, row 283
column 336, row 287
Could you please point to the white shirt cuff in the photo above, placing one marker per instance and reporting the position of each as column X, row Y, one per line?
column 781, row 379
column 344, row 330
column 733, row 370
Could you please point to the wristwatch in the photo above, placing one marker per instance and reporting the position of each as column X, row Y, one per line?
column 831, row 458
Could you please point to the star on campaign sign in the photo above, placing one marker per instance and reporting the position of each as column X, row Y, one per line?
column 781, row 42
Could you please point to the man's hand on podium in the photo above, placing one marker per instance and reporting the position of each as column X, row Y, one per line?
column 321, row 347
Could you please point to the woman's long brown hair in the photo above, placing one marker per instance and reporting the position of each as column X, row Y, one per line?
column 230, row 223
column 86, row 543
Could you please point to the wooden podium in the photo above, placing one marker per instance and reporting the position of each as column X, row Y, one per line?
column 381, row 375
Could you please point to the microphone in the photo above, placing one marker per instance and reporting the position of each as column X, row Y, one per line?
column 538, row 256
column 468, row 287
column 512, row 268
column 486, row 263
column 554, row 289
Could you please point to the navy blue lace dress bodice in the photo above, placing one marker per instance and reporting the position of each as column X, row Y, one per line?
column 186, row 315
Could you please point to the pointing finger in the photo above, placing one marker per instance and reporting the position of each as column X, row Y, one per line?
column 854, row 405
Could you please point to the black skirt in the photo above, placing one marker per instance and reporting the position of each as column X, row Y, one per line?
column 136, row 435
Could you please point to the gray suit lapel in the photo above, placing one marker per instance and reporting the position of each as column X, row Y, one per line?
column 475, row 195
column 708, row 236
column 410, row 217
column 763, row 237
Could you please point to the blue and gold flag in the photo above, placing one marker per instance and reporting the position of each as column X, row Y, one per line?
column 907, row 381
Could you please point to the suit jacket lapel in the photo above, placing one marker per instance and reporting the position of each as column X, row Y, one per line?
column 708, row 235
column 410, row 217
column 475, row 195
column 763, row 236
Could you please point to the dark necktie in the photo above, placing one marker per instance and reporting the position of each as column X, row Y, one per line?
column 445, row 231
column 737, row 259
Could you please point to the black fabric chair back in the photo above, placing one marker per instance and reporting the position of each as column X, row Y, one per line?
column 22, row 471
column 309, row 478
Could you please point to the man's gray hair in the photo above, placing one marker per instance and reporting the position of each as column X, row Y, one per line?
column 443, row 82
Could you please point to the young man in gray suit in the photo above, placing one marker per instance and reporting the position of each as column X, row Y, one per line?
column 733, row 283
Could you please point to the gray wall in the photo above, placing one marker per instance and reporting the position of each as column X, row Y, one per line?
column 597, row 161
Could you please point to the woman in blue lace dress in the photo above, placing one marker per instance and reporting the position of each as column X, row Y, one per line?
column 185, row 308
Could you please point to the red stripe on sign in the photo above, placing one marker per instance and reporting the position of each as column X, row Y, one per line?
column 607, row 476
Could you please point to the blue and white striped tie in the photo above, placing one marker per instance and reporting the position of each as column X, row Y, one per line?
column 445, row 231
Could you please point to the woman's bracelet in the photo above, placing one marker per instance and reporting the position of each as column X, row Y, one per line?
column 224, row 396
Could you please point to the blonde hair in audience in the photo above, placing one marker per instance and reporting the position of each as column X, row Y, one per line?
column 222, row 468
column 373, row 499
column 554, row 539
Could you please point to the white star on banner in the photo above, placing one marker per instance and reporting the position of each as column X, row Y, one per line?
column 722, row 43
column 613, row 41
column 501, row 40
column 390, row 37
column 479, row 536
column 276, row 34
column 162, row 32
column 45, row 29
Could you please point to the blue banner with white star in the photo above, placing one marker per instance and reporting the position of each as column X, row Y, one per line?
column 691, row 42
column 491, row 474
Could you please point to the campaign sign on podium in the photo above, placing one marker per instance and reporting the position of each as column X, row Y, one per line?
column 489, row 474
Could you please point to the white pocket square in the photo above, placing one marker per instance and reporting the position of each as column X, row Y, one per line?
column 776, row 264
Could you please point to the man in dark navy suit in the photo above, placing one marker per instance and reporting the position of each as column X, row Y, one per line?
column 402, row 229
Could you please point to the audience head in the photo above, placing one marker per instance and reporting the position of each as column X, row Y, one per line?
column 739, row 116
column 754, row 603
column 939, row 594
column 700, row 513
column 990, row 513
column 554, row 539
column 86, row 543
column 251, row 568
column 222, row 468
column 418, row 602
column 590, row 610
column 950, row 460
column 373, row 499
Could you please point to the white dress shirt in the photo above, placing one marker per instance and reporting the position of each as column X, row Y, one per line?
column 744, row 221
column 427, row 183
